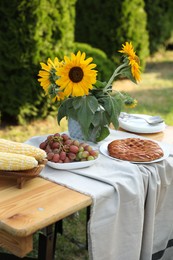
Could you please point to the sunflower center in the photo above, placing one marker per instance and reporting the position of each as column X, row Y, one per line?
column 76, row 74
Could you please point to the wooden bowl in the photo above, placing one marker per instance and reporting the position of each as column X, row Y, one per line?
column 22, row 176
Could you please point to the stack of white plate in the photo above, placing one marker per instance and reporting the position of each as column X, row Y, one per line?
column 139, row 125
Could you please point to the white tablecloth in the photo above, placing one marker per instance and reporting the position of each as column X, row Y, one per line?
column 132, row 211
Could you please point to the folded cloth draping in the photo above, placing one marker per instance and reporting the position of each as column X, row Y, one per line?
column 132, row 210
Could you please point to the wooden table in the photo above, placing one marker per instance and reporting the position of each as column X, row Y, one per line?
column 40, row 204
column 37, row 205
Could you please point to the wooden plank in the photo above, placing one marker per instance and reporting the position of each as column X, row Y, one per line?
column 39, row 204
column 19, row 246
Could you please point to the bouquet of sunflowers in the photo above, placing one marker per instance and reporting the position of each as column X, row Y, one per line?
column 72, row 83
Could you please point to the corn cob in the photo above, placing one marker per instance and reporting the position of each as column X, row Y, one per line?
column 16, row 162
column 22, row 148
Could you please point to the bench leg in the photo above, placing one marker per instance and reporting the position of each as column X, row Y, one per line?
column 88, row 211
column 46, row 244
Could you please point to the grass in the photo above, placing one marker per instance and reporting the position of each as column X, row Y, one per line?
column 154, row 95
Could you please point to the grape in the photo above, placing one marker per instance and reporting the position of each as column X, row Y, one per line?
column 67, row 160
column 48, row 149
column 94, row 153
column 81, row 148
column 74, row 149
column 56, row 158
column 62, row 155
column 55, row 145
column 49, row 138
column 65, row 137
column 76, row 142
column 85, row 154
column 43, row 145
column 90, row 157
column 88, row 148
column 72, row 156
column 79, row 155
column 50, row 156
column 55, row 151
column 68, row 142
column 50, row 143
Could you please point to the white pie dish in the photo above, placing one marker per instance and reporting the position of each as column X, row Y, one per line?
column 166, row 152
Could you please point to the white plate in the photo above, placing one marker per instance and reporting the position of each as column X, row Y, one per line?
column 72, row 165
column 137, row 125
column 166, row 151
column 36, row 140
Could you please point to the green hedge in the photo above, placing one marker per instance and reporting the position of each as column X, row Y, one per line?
column 108, row 24
column 159, row 23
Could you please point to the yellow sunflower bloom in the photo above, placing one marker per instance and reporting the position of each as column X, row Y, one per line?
column 47, row 72
column 76, row 75
column 127, row 49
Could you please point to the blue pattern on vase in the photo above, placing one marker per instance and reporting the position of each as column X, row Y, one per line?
column 75, row 131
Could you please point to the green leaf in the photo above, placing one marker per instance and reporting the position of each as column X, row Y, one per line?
column 89, row 102
column 100, row 84
column 103, row 134
column 112, row 106
column 65, row 109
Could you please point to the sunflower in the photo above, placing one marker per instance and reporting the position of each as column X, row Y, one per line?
column 48, row 77
column 76, row 76
column 127, row 49
column 47, row 73
column 130, row 102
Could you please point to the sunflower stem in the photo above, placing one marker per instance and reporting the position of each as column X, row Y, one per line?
column 115, row 74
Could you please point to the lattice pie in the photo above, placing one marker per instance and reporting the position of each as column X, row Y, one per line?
column 135, row 150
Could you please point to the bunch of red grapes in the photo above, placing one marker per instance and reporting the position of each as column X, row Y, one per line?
column 60, row 148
